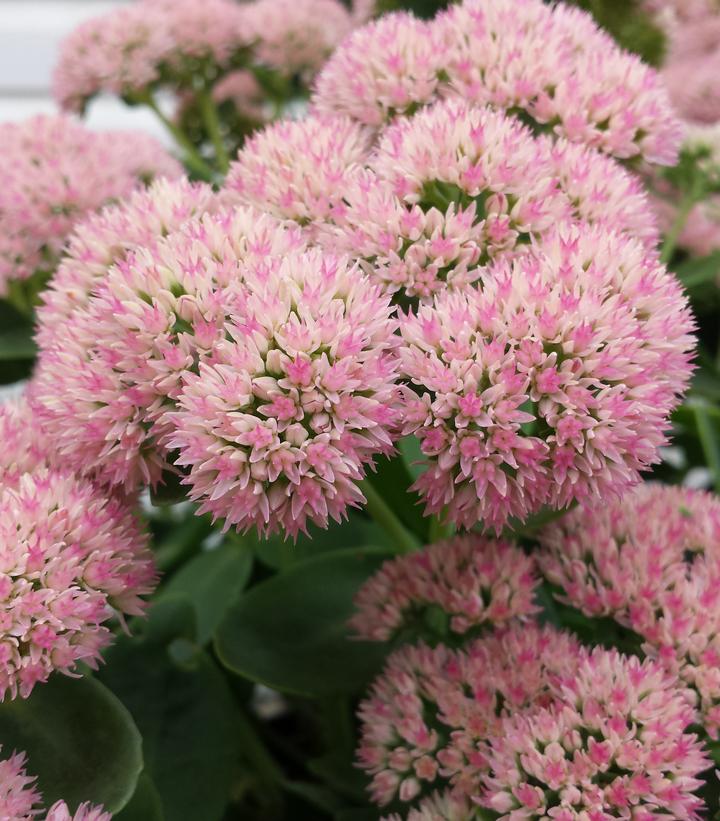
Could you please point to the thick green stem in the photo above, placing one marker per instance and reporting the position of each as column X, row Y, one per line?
column 209, row 113
column 689, row 200
column 192, row 155
column 384, row 516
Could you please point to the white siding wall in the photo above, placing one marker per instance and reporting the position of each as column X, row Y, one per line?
column 30, row 31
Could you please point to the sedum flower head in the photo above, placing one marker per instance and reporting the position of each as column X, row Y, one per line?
column 650, row 561
column 69, row 558
column 130, row 50
column 439, row 806
column 428, row 717
column 25, row 447
column 386, row 68
column 474, row 581
column 108, row 237
column 297, row 169
column 85, row 812
column 692, row 62
column 551, row 384
column 602, row 192
column 456, row 186
column 616, row 746
column 104, row 392
column 278, row 428
column 555, row 66
column 18, row 794
column 55, row 172
column 297, row 36
column 19, row 797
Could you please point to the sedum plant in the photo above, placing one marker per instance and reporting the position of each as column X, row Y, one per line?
column 365, row 452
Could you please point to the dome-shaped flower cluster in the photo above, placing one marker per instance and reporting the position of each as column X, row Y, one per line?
column 430, row 714
column 103, row 391
column 445, row 806
column 552, row 383
column 602, row 192
column 278, row 428
column 69, row 558
column 150, row 43
column 555, row 65
column 279, row 363
column 18, row 795
column 108, row 237
column 474, row 581
column 388, row 67
column 652, row 562
column 24, row 446
column 616, row 745
column 54, row 172
column 551, row 64
column 297, row 169
column 455, row 186
column 297, row 36
column 692, row 63
column 19, row 798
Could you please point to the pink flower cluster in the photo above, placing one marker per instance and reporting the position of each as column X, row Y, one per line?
column 615, row 745
column 134, row 50
column 550, row 63
column 70, row 558
column 652, row 562
column 149, row 43
column 388, row 67
column 268, row 368
column 280, row 426
column 19, row 798
column 54, row 173
column 297, row 169
column 692, row 62
column 297, row 36
column 108, row 237
column 531, row 725
column 104, row 386
column 551, row 384
column 475, row 581
column 430, row 714
column 455, row 186
column 445, row 806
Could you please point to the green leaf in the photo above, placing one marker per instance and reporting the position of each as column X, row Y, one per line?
column 315, row 794
column 280, row 553
column 145, row 805
column 80, row 741
column 17, row 344
column 338, row 771
column 183, row 707
column 290, row 632
column 212, row 581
